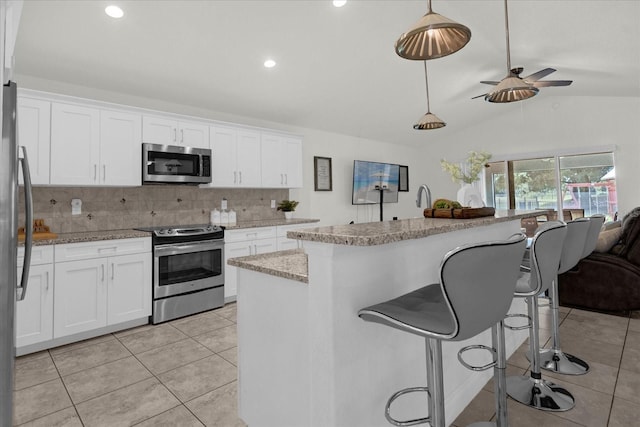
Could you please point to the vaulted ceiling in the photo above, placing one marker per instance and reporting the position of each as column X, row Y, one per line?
column 336, row 67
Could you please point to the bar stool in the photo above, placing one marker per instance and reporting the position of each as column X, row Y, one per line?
column 545, row 252
column 582, row 235
column 474, row 293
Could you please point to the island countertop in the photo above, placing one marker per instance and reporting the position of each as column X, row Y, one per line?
column 380, row 233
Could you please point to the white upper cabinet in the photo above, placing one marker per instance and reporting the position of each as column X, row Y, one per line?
column 34, row 133
column 165, row 131
column 235, row 157
column 281, row 161
column 75, row 144
column 120, row 148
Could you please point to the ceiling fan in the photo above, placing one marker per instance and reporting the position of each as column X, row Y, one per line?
column 513, row 87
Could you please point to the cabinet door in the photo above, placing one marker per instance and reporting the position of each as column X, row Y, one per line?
column 129, row 288
column 120, row 148
column 272, row 161
column 264, row 246
column 34, row 314
column 285, row 243
column 80, row 296
column 75, row 144
column 34, row 132
column 223, row 153
column 292, row 156
column 248, row 156
column 233, row 250
column 193, row 134
column 159, row 130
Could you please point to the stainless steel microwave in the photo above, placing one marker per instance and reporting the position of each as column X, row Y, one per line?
column 170, row 164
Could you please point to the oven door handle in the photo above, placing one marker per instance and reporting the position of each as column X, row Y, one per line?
column 168, row 250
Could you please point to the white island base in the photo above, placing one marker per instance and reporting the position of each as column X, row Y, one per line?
column 307, row 359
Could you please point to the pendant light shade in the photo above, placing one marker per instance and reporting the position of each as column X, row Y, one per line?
column 512, row 88
column 433, row 36
column 429, row 120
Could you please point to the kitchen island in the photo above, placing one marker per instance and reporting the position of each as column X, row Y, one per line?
column 304, row 356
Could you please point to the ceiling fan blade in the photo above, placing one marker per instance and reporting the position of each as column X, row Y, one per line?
column 479, row 96
column 540, row 74
column 547, row 83
column 489, row 82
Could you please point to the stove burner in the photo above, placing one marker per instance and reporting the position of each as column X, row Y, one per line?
column 184, row 230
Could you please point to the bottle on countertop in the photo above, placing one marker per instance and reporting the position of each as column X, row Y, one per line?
column 224, row 217
column 215, row 217
column 232, row 217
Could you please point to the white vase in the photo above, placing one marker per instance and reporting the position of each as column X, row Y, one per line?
column 468, row 195
column 288, row 215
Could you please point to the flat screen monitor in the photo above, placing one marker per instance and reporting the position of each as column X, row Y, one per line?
column 370, row 177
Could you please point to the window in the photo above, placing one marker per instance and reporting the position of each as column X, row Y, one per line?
column 583, row 184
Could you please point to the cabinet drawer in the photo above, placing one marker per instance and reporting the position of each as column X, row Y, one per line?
column 39, row 255
column 249, row 234
column 102, row 248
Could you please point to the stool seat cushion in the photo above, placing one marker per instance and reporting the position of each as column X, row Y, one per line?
column 424, row 312
column 523, row 285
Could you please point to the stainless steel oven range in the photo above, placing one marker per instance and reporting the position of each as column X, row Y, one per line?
column 188, row 270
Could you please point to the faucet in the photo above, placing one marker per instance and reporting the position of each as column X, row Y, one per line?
column 425, row 189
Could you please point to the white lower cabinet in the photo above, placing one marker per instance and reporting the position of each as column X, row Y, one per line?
column 284, row 242
column 34, row 314
column 94, row 291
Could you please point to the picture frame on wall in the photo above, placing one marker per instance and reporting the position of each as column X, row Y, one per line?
column 322, row 174
column 403, row 184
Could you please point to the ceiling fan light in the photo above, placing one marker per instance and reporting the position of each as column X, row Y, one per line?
column 433, row 36
column 511, row 89
column 429, row 121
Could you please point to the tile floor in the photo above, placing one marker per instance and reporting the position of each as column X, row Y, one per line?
column 183, row 373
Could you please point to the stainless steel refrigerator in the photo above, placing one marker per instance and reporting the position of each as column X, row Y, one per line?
column 10, row 291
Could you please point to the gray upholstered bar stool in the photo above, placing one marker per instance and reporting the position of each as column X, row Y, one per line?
column 545, row 252
column 582, row 235
column 475, row 292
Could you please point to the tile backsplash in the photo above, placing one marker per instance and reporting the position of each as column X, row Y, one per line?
column 114, row 208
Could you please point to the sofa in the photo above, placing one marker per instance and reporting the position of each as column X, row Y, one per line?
column 608, row 280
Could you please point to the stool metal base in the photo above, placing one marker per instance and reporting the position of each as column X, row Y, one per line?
column 562, row 363
column 539, row 394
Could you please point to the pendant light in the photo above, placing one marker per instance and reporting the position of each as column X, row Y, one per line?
column 433, row 36
column 429, row 120
column 512, row 88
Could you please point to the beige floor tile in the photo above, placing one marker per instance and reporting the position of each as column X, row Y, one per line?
column 631, row 360
column 220, row 339
column 585, row 328
column 229, row 311
column 32, row 371
column 198, row 378
column 633, row 340
column 628, row 386
column 127, row 406
column 600, row 319
column 592, row 407
column 624, row 413
column 201, row 323
column 39, row 400
column 600, row 377
column 178, row 416
column 90, row 356
column 30, row 357
column 589, row 349
column 152, row 338
column 65, row 418
column 163, row 359
column 218, row 407
column 231, row 355
column 634, row 323
column 81, row 344
column 481, row 408
column 135, row 330
column 94, row 382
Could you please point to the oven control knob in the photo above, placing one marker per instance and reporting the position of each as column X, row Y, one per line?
column 170, row 231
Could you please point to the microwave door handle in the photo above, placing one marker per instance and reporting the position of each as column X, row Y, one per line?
column 28, row 229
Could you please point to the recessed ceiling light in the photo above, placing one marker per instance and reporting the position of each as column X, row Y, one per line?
column 114, row 11
column 269, row 63
column 339, row 3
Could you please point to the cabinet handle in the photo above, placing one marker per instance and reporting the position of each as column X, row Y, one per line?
column 174, row 134
column 104, row 172
column 95, row 171
column 286, row 179
column 250, row 251
column 113, row 271
column 182, row 135
column 240, row 179
column 102, row 267
column 46, row 283
column 235, row 176
column 281, row 179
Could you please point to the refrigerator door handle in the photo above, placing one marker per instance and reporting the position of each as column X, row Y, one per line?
column 28, row 229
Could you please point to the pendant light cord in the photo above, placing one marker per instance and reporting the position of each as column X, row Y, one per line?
column 426, row 85
column 506, row 27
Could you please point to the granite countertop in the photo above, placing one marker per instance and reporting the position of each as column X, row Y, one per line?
column 379, row 233
column 291, row 264
column 270, row 223
column 90, row 236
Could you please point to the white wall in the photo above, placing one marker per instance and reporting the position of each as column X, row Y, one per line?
column 546, row 124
